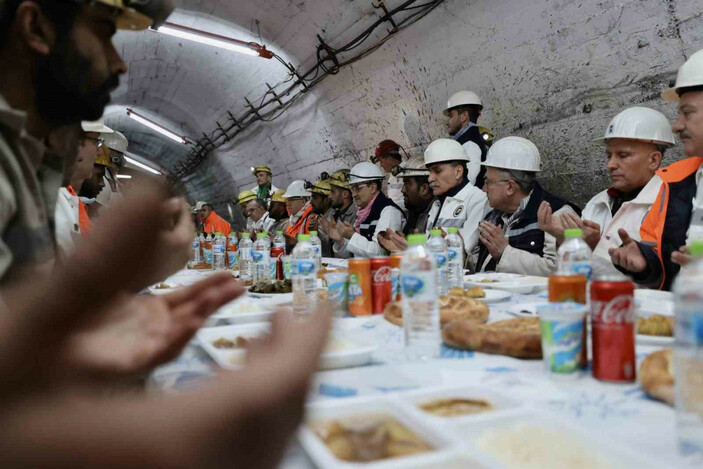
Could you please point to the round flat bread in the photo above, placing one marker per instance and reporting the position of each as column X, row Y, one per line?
column 657, row 375
column 519, row 337
column 451, row 308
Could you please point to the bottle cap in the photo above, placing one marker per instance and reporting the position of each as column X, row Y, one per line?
column 313, row 233
column 696, row 248
column 246, row 235
column 436, row 232
column 415, row 239
column 279, row 233
column 261, row 235
column 452, row 229
column 303, row 237
column 573, row 233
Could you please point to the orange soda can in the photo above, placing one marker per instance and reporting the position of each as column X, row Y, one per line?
column 395, row 276
column 360, row 300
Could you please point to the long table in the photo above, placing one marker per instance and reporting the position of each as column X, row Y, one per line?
column 621, row 412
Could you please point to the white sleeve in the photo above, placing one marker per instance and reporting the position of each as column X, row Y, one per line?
column 361, row 247
column 473, row 151
column 476, row 208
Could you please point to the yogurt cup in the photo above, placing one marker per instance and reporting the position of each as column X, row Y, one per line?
column 563, row 337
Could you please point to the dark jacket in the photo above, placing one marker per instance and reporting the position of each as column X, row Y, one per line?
column 368, row 227
column 418, row 219
column 524, row 234
column 473, row 135
column 665, row 227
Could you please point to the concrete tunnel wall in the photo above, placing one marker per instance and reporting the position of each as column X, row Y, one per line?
column 555, row 72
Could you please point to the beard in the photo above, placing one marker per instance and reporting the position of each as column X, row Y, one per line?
column 65, row 89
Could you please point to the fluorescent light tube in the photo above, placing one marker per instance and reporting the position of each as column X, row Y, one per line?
column 124, row 176
column 141, row 165
column 191, row 35
column 154, row 126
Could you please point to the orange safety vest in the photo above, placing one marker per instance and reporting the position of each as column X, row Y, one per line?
column 652, row 228
column 302, row 225
column 216, row 224
column 84, row 223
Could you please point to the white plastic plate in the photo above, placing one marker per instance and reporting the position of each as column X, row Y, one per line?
column 353, row 353
column 515, row 283
column 495, row 296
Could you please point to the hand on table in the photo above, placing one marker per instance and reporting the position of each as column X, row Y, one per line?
column 681, row 257
column 493, row 238
column 628, row 255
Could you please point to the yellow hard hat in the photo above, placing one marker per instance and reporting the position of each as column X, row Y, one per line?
column 139, row 15
column 260, row 168
column 487, row 134
column 321, row 187
column 246, row 196
column 340, row 179
column 103, row 157
column 278, row 196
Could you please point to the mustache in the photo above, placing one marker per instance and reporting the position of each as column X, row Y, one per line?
column 684, row 134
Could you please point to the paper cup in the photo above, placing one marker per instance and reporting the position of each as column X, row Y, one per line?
column 337, row 289
column 563, row 335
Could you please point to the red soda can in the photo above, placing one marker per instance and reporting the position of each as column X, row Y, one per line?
column 380, row 283
column 613, row 329
column 278, row 253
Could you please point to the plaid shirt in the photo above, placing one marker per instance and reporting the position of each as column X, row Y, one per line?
column 29, row 183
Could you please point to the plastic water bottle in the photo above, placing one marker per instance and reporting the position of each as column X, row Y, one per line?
column 218, row 252
column 195, row 257
column 245, row 247
column 232, row 246
column 207, row 250
column 455, row 258
column 279, row 241
column 438, row 247
column 688, row 353
column 418, row 279
column 261, row 256
column 316, row 243
column 574, row 255
column 304, row 272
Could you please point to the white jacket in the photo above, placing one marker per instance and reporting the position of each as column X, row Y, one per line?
column 394, row 187
column 360, row 246
column 68, row 232
column 695, row 229
column 265, row 223
column 629, row 218
column 474, row 165
column 465, row 211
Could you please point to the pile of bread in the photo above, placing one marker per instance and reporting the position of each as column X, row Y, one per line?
column 464, row 326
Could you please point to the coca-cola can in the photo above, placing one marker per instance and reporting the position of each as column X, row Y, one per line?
column 277, row 256
column 380, row 283
column 613, row 329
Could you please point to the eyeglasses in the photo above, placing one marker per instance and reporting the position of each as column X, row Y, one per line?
column 358, row 187
column 488, row 182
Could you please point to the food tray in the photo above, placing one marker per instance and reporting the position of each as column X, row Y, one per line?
column 356, row 352
column 457, row 440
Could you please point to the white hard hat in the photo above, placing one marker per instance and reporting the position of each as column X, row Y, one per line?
column 364, row 172
column 199, row 206
column 415, row 166
column 513, row 153
column 444, row 149
column 296, row 189
column 97, row 126
column 640, row 123
column 690, row 74
column 462, row 98
column 116, row 141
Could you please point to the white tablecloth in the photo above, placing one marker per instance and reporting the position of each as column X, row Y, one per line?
column 621, row 412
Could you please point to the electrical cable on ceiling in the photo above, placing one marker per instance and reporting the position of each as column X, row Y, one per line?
column 328, row 63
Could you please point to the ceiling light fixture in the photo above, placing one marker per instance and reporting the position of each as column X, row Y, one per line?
column 215, row 40
column 124, row 176
column 136, row 163
column 154, row 126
